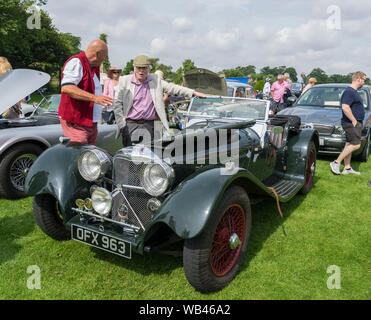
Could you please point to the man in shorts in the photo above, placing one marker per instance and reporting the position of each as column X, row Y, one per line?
column 351, row 121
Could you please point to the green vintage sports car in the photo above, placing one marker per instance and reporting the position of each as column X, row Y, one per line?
column 192, row 189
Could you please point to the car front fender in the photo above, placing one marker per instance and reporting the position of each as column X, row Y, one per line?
column 55, row 172
column 298, row 153
column 188, row 209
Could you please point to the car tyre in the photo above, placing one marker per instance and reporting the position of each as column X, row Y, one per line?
column 48, row 217
column 310, row 168
column 209, row 260
column 14, row 167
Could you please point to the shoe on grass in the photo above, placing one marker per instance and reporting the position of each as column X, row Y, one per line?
column 351, row 171
column 335, row 167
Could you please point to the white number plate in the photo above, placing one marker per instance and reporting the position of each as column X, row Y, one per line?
column 321, row 142
column 101, row 241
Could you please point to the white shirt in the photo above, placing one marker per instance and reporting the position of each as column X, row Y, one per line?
column 73, row 74
column 267, row 88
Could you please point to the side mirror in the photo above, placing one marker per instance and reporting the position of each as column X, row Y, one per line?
column 291, row 100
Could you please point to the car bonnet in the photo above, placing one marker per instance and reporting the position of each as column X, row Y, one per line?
column 17, row 84
column 206, row 81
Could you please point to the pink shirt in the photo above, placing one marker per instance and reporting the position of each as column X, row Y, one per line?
column 278, row 91
column 143, row 107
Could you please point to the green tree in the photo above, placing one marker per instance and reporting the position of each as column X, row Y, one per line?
column 319, row 74
column 177, row 77
column 129, row 67
column 293, row 74
column 106, row 63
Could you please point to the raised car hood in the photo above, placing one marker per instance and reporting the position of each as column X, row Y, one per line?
column 329, row 116
column 17, row 84
column 206, row 81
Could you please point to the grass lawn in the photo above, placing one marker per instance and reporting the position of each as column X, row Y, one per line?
column 330, row 226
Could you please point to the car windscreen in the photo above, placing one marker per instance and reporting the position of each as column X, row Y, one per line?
column 49, row 104
column 223, row 107
column 326, row 97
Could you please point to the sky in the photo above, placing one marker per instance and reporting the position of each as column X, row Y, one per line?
column 329, row 34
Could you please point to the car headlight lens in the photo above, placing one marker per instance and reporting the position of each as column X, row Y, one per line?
column 93, row 164
column 339, row 131
column 101, row 201
column 155, row 178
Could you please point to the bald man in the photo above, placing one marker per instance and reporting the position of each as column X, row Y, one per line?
column 82, row 99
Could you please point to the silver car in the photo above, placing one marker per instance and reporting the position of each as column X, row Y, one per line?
column 22, row 140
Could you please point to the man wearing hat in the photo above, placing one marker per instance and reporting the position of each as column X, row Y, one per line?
column 139, row 103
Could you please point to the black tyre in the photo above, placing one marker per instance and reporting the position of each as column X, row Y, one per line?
column 366, row 150
column 310, row 168
column 48, row 217
column 14, row 167
column 212, row 259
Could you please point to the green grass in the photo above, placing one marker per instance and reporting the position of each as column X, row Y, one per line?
column 330, row 226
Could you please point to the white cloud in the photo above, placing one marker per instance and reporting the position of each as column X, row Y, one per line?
column 182, row 24
column 261, row 33
column 223, row 40
column 122, row 29
column 158, row 45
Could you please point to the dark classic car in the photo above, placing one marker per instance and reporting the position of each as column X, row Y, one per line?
column 193, row 188
column 22, row 140
column 319, row 107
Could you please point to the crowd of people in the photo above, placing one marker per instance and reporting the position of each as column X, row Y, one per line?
column 136, row 101
column 281, row 90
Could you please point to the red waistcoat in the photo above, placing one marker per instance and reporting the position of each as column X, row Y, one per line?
column 77, row 111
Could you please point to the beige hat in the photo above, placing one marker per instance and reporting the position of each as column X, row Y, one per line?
column 109, row 73
column 141, row 61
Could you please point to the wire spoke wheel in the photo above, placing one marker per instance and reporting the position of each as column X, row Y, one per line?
column 213, row 258
column 19, row 170
column 310, row 170
column 228, row 237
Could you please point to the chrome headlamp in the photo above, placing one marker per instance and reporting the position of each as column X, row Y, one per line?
column 93, row 164
column 101, row 201
column 339, row 130
column 156, row 178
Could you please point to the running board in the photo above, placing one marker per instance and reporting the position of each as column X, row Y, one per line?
column 285, row 189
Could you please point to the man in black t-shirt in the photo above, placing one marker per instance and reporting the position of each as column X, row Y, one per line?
column 351, row 121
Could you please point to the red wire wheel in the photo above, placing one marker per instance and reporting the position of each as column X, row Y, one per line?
column 226, row 247
column 310, row 168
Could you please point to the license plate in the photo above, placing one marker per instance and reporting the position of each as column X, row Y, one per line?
column 101, row 241
column 321, row 142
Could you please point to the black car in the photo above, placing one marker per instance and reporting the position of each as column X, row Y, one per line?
column 320, row 107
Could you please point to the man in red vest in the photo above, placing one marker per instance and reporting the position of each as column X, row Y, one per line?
column 82, row 99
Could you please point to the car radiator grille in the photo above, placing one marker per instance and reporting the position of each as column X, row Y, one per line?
column 129, row 202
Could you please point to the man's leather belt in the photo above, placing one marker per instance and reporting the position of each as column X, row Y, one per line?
column 139, row 121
